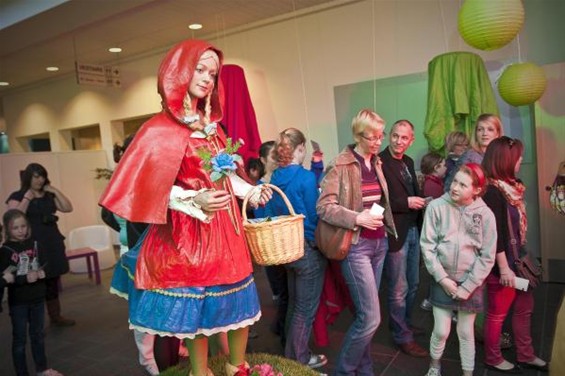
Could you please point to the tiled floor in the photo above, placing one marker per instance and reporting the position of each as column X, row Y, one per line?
column 101, row 344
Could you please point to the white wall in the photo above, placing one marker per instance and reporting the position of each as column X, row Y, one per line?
column 73, row 173
column 291, row 68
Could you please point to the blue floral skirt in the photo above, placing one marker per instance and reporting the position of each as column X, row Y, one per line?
column 185, row 312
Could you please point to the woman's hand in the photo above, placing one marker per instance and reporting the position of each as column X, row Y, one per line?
column 367, row 220
column 8, row 277
column 266, row 195
column 49, row 188
column 41, row 274
column 416, row 202
column 317, row 156
column 212, row 201
column 449, row 286
column 507, row 278
column 32, row 276
column 29, row 195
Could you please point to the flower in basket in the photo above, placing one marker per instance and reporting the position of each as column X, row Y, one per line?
column 223, row 163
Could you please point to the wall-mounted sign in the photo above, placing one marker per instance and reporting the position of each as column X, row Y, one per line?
column 97, row 75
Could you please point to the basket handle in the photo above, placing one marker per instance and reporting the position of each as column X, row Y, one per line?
column 276, row 189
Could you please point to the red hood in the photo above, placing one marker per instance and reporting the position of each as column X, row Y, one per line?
column 174, row 77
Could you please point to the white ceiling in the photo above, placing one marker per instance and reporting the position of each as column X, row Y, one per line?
column 83, row 30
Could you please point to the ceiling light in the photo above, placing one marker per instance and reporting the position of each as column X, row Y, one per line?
column 52, row 69
column 115, row 49
column 4, row 83
column 195, row 26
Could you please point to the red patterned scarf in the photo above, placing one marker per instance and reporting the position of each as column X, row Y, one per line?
column 514, row 194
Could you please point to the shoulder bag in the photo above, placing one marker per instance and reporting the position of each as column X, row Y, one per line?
column 334, row 242
column 526, row 267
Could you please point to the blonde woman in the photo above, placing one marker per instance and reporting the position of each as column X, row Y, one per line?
column 487, row 128
column 354, row 181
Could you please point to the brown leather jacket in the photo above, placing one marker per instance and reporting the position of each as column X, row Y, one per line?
column 341, row 200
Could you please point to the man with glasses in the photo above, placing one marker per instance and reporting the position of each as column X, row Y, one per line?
column 403, row 258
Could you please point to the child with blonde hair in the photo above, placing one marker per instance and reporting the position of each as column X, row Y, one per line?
column 20, row 261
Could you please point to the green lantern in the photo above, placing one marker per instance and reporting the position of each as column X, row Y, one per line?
column 490, row 24
column 522, row 84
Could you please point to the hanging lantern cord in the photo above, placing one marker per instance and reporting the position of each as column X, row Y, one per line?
column 300, row 64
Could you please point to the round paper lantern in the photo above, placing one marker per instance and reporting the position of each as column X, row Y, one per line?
column 490, row 24
column 522, row 83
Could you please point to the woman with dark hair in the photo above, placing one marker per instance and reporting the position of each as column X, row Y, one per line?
column 505, row 197
column 39, row 200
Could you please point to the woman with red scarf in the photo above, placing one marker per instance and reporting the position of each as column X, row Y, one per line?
column 505, row 197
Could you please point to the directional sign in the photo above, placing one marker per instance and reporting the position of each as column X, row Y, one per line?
column 97, row 75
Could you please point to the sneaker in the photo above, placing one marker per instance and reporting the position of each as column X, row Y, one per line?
column 49, row 372
column 433, row 371
column 317, row 361
column 426, row 305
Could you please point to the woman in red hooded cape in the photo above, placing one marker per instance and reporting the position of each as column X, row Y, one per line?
column 192, row 268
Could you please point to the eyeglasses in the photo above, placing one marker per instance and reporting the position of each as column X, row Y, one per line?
column 373, row 139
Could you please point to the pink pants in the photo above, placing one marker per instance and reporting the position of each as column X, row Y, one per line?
column 500, row 300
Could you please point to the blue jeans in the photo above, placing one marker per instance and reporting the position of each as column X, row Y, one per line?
column 22, row 315
column 403, row 276
column 305, row 281
column 362, row 270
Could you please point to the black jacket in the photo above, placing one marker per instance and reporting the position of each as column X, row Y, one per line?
column 403, row 216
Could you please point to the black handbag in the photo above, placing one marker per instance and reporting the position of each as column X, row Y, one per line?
column 525, row 266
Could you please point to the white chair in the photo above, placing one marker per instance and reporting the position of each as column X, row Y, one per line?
column 97, row 237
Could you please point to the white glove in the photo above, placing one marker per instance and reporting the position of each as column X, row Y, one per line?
column 183, row 200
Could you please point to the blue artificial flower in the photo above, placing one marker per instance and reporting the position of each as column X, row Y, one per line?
column 223, row 162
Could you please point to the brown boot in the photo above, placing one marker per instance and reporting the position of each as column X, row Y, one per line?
column 54, row 311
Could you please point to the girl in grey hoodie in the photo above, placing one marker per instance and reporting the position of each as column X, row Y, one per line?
column 458, row 245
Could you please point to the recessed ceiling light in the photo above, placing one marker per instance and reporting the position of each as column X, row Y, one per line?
column 195, row 26
column 52, row 69
column 115, row 49
column 4, row 83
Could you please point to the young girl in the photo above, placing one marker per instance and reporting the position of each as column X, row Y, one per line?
column 433, row 168
column 26, row 292
column 458, row 245
column 305, row 275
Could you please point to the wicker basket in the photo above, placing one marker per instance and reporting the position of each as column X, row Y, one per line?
column 278, row 241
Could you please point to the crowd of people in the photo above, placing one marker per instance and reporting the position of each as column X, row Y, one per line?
column 186, row 269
